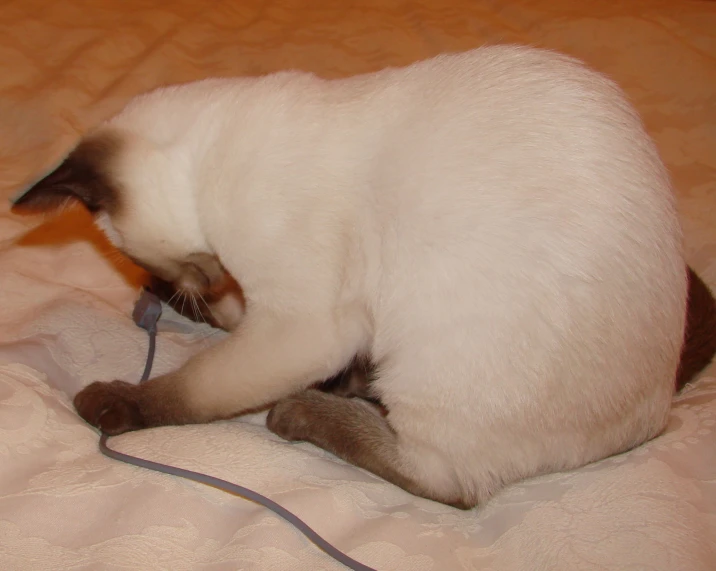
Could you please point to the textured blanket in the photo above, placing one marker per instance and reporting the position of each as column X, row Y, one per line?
column 65, row 305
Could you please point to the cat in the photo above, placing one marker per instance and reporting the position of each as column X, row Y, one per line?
column 494, row 230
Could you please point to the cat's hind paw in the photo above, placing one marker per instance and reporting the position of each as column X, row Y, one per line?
column 291, row 417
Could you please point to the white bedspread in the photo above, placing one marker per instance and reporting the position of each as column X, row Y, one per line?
column 65, row 307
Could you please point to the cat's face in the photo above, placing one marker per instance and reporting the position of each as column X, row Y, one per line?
column 139, row 200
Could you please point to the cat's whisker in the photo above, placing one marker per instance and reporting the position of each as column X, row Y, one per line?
column 208, row 307
column 194, row 298
column 174, row 295
column 183, row 301
column 198, row 312
column 205, row 337
column 201, row 313
column 193, row 305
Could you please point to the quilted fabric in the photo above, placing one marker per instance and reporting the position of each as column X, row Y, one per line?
column 65, row 302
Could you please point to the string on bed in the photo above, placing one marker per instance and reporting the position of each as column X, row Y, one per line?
column 146, row 314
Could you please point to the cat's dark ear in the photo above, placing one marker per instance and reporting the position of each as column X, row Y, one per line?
column 84, row 176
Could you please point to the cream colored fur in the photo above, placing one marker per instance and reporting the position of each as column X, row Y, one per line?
column 494, row 228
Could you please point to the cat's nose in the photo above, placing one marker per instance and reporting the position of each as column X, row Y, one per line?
column 193, row 279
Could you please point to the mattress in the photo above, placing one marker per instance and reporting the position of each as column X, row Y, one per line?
column 66, row 300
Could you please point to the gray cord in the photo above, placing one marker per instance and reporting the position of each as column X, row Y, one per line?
column 235, row 489
column 150, row 355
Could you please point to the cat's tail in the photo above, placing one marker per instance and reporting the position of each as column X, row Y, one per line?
column 700, row 333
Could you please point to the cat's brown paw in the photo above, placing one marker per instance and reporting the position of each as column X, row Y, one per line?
column 111, row 407
column 291, row 417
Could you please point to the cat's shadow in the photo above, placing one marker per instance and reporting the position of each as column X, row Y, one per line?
column 76, row 225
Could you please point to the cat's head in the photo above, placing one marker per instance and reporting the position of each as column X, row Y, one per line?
column 140, row 198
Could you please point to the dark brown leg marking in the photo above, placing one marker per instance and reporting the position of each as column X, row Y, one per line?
column 353, row 430
column 111, row 407
column 118, row 407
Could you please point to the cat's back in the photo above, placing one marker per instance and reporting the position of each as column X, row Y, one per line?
column 499, row 95
column 508, row 78
column 521, row 131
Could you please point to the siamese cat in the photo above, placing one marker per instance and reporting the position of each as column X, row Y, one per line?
column 493, row 231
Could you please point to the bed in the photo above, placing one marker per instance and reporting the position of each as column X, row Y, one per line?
column 66, row 300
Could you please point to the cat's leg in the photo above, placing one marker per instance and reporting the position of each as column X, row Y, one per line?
column 357, row 432
column 263, row 361
column 355, row 381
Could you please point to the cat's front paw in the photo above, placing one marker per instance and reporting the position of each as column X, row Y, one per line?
column 112, row 407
